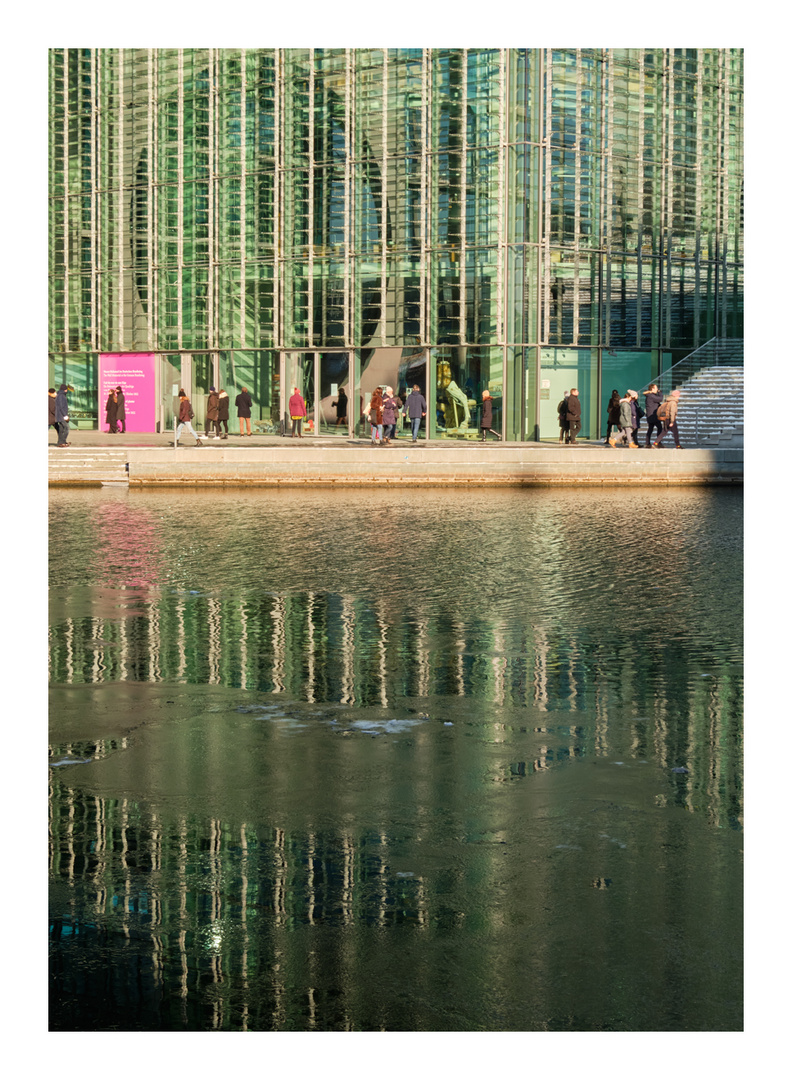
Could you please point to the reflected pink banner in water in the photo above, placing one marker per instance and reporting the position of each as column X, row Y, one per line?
column 135, row 373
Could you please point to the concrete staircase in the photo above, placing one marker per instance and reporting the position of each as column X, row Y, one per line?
column 87, row 465
column 711, row 407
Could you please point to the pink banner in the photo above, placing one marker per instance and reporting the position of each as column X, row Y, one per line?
column 135, row 373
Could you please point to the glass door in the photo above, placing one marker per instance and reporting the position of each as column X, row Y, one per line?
column 333, row 404
column 298, row 372
column 170, row 382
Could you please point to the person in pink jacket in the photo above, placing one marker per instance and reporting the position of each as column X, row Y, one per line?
column 297, row 412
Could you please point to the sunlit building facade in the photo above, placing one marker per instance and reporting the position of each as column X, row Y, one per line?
column 517, row 220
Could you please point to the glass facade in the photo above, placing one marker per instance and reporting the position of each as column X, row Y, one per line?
column 502, row 219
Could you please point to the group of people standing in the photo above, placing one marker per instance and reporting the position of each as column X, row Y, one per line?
column 625, row 416
column 115, row 411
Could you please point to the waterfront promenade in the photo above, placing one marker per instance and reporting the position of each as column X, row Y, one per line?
column 150, row 460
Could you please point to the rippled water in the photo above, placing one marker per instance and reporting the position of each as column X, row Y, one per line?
column 416, row 761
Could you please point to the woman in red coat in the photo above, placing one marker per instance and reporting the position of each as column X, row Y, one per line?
column 297, row 412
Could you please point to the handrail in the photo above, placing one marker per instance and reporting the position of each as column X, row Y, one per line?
column 696, row 409
column 697, row 360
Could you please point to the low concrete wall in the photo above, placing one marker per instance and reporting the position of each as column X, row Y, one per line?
column 432, row 466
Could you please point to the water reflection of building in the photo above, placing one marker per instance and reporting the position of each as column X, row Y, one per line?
column 325, row 648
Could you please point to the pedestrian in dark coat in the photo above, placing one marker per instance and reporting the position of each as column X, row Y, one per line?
column 62, row 415
column 637, row 415
column 612, row 413
column 222, row 413
column 211, row 413
column 52, row 399
column 562, row 418
column 573, row 415
column 486, row 415
column 111, row 412
column 416, row 410
column 121, row 410
column 340, row 407
column 653, row 399
column 390, row 410
column 244, row 405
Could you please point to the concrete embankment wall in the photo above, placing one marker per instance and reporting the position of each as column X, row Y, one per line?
column 509, row 466
column 282, row 464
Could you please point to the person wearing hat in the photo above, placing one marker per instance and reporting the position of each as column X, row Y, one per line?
column 668, row 414
column 121, row 410
column 212, row 413
column 62, row 415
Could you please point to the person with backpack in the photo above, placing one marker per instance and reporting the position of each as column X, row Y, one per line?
column 653, row 401
column 186, row 415
column 668, row 414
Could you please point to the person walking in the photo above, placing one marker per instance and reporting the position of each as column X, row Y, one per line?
column 121, row 410
column 416, row 410
column 186, row 415
column 340, row 407
column 668, row 414
column 562, row 418
column 244, row 405
column 111, row 412
column 486, row 415
column 573, row 416
column 652, row 400
column 211, row 413
column 222, row 413
column 375, row 416
column 62, row 415
column 52, row 398
column 390, row 411
column 625, row 420
column 637, row 415
column 612, row 413
column 297, row 412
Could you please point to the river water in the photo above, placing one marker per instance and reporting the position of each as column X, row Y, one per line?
column 426, row 761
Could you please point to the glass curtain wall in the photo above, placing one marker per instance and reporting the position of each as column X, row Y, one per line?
column 472, row 202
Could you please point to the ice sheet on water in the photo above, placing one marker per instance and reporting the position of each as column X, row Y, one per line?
column 386, row 727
